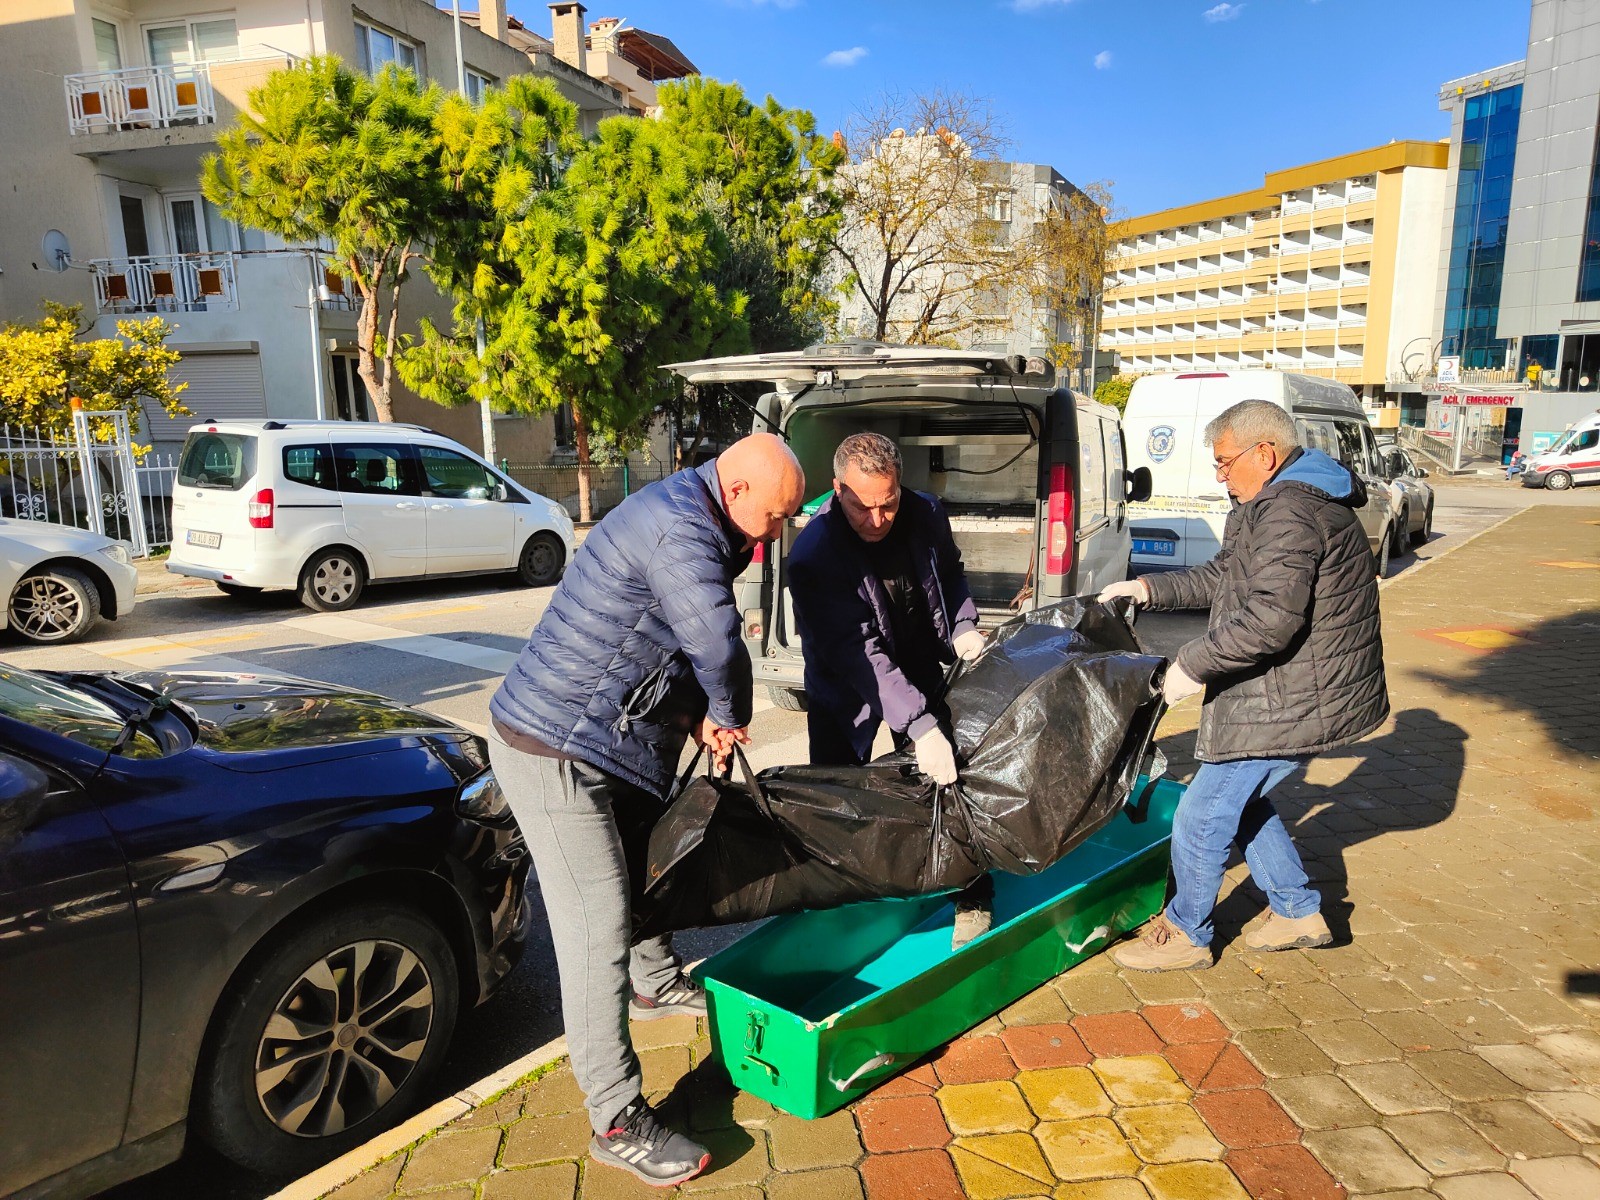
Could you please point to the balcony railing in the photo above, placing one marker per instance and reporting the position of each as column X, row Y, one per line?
column 140, row 98
column 169, row 283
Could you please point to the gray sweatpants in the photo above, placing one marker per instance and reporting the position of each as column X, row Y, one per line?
column 565, row 810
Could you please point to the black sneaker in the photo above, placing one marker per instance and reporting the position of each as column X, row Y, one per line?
column 683, row 997
column 640, row 1143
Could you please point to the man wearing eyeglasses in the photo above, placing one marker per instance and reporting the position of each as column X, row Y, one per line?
column 1291, row 665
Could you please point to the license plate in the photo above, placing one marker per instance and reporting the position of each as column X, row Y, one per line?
column 1155, row 546
column 209, row 540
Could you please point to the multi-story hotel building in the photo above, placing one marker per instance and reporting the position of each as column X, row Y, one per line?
column 1327, row 269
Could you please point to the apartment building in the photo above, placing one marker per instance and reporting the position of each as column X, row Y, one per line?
column 1327, row 269
column 1011, row 198
column 111, row 106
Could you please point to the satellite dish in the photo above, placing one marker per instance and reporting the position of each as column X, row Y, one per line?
column 57, row 250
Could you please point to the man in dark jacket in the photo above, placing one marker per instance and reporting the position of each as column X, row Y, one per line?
column 1291, row 665
column 639, row 647
column 882, row 605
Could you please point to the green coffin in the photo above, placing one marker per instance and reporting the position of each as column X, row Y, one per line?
column 813, row 1010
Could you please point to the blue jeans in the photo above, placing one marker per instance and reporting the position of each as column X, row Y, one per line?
column 1227, row 803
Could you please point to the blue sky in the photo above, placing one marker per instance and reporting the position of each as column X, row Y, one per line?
column 1172, row 100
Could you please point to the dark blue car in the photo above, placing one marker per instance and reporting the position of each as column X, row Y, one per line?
column 242, row 906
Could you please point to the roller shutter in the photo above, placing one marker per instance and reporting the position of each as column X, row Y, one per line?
column 222, row 387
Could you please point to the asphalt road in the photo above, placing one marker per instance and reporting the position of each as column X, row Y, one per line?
column 445, row 646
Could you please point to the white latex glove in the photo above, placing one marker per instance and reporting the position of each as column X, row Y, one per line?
column 1178, row 685
column 970, row 644
column 936, row 757
column 1133, row 589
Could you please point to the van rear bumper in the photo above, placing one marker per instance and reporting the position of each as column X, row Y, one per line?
column 246, row 578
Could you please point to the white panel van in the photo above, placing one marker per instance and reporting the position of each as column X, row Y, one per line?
column 1180, row 525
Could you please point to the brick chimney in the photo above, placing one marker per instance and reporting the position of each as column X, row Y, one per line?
column 566, row 20
column 492, row 18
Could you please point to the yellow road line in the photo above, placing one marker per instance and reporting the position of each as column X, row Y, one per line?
column 169, row 643
column 433, row 612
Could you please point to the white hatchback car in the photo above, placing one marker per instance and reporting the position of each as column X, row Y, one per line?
column 58, row 581
column 326, row 507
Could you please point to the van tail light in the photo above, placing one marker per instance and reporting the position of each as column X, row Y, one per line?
column 760, row 555
column 1058, row 523
column 260, row 509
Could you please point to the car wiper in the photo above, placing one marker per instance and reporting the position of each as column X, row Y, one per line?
column 140, row 718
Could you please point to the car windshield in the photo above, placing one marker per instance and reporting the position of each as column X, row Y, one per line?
column 69, row 712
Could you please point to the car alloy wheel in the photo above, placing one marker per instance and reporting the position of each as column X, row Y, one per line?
column 344, row 1038
column 54, row 607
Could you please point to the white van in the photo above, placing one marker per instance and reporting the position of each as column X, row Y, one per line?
column 325, row 507
column 1573, row 459
column 1181, row 524
column 1030, row 473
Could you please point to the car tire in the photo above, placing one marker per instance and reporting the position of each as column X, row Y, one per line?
column 541, row 560
column 275, row 1012
column 54, row 606
column 333, row 580
column 1558, row 481
column 1420, row 538
column 791, row 699
column 239, row 591
column 1382, row 556
column 1398, row 543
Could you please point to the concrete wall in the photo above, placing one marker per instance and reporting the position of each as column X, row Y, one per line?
column 1554, row 165
column 1418, row 242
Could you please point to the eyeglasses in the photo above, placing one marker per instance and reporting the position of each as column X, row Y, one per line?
column 1226, row 464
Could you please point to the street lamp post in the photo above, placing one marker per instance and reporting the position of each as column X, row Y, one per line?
column 314, row 296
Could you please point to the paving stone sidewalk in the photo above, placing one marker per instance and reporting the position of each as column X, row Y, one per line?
column 1448, row 1047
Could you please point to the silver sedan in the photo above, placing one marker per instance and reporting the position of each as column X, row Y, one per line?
column 58, row 581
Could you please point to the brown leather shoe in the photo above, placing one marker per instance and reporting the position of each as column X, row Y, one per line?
column 1162, row 946
column 1289, row 933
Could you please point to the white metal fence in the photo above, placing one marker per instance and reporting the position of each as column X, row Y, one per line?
column 90, row 481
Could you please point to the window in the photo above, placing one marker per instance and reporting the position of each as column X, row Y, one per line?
column 1116, row 487
column 217, row 460
column 566, row 436
column 1478, row 227
column 997, row 206
column 375, row 48
column 1587, row 440
column 309, row 465
column 476, row 83
column 107, row 45
column 1352, row 449
column 1589, row 260
column 1092, row 460
column 376, row 469
column 202, row 39
column 454, row 476
column 349, row 390
column 1319, row 435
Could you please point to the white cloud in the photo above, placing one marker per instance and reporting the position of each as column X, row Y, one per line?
column 1224, row 12
column 1102, row 60
column 845, row 58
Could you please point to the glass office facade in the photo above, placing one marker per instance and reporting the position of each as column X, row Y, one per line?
column 1589, row 265
column 1478, row 228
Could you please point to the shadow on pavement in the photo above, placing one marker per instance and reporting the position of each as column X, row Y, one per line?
column 1548, row 672
column 1405, row 780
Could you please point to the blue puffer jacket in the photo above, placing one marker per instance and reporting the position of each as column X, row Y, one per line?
column 842, row 611
column 641, row 635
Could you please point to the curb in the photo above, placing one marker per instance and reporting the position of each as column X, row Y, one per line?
column 436, row 1116
column 1411, row 571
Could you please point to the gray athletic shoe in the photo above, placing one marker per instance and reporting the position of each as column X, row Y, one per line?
column 640, row 1143
column 683, row 997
